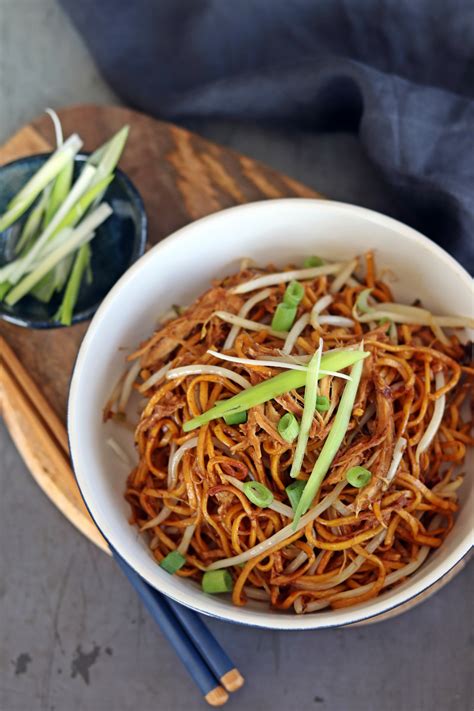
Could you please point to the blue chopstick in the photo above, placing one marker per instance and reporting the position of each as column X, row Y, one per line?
column 217, row 659
column 176, row 634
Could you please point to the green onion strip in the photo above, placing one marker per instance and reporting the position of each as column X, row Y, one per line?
column 295, row 492
column 273, row 387
column 64, row 313
column 48, row 171
column 333, row 441
column 310, row 394
column 77, row 237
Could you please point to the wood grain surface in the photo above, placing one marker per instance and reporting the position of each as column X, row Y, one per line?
column 181, row 178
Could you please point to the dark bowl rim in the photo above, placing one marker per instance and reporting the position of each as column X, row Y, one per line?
column 138, row 246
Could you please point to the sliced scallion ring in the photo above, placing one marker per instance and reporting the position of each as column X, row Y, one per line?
column 173, row 562
column 313, row 262
column 293, row 294
column 258, row 494
column 217, row 581
column 358, row 476
column 283, row 317
column 288, row 427
column 236, row 418
column 322, row 403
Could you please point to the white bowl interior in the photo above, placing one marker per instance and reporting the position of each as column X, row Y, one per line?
column 179, row 269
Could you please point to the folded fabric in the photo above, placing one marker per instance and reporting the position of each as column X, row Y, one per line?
column 399, row 73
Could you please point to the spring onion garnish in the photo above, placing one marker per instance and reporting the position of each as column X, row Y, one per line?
column 21, row 266
column 48, row 251
column 283, row 317
column 358, row 476
column 80, row 235
column 313, row 262
column 295, row 491
column 4, row 288
column 236, row 418
column 273, row 387
column 59, row 191
column 173, row 562
column 32, row 223
column 322, row 403
column 333, row 441
column 48, row 171
column 80, row 208
column 293, row 294
column 107, row 156
column 288, row 427
column 310, row 394
column 258, row 494
column 275, row 505
column 64, row 313
column 217, row 581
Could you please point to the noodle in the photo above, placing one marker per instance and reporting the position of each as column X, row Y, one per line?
column 409, row 426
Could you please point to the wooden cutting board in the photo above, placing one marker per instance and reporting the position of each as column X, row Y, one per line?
column 181, row 178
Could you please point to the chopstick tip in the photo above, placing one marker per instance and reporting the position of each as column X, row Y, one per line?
column 217, row 696
column 232, row 680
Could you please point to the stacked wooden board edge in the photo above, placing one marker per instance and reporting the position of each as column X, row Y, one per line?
column 181, row 177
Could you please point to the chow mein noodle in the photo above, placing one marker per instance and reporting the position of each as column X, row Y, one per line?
column 301, row 435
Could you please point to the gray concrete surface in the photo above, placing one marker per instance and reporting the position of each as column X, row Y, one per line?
column 73, row 636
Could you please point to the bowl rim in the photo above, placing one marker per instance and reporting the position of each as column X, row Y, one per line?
column 137, row 252
column 241, row 615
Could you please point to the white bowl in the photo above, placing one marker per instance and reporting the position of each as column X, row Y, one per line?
column 179, row 269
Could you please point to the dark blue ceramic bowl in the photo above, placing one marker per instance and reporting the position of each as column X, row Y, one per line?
column 119, row 242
